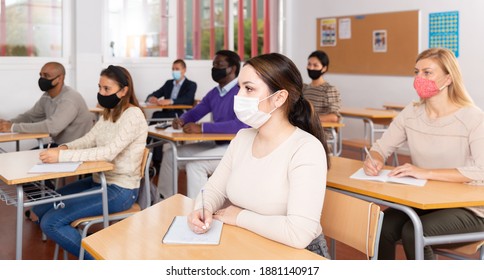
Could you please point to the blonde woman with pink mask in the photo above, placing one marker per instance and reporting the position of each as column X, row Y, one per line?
column 445, row 136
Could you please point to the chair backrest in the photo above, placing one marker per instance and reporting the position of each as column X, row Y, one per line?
column 352, row 221
column 144, row 195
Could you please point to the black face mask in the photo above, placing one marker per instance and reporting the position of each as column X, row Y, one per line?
column 219, row 73
column 315, row 74
column 45, row 84
column 108, row 101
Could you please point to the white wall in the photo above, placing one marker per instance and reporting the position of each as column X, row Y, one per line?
column 373, row 91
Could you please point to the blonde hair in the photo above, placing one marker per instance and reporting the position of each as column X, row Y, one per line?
column 448, row 62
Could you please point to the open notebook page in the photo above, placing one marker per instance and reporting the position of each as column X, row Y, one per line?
column 180, row 233
column 54, row 167
column 383, row 177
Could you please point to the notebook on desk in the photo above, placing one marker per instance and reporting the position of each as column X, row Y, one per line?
column 55, row 167
column 180, row 233
column 383, row 177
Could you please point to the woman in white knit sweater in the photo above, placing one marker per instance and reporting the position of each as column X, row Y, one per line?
column 273, row 175
column 118, row 137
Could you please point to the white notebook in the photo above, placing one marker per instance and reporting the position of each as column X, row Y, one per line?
column 383, row 177
column 55, row 167
column 180, row 233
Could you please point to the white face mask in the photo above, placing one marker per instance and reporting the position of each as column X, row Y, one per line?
column 247, row 110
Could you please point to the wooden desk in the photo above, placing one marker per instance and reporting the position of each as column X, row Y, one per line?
column 173, row 138
column 337, row 141
column 10, row 137
column 139, row 238
column 14, row 172
column 370, row 117
column 148, row 106
column 434, row 195
column 393, row 106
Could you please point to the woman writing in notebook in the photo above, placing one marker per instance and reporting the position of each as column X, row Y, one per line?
column 118, row 137
column 445, row 136
column 271, row 178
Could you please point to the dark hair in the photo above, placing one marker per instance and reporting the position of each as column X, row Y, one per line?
column 232, row 58
column 182, row 62
column 322, row 57
column 279, row 72
column 123, row 78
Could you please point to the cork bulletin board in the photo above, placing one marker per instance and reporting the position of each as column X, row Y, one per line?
column 374, row 44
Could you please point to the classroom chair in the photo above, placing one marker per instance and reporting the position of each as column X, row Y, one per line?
column 84, row 224
column 352, row 221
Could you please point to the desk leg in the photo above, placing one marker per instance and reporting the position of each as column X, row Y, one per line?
column 41, row 144
column 17, row 145
column 175, row 168
column 20, row 210
column 104, row 187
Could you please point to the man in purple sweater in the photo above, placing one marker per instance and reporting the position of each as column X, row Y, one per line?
column 220, row 102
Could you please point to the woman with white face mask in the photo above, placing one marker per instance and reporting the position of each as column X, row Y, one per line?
column 272, row 175
column 445, row 136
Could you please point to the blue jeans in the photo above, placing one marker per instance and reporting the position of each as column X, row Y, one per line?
column 55, row 223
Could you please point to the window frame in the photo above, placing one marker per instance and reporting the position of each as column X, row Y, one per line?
column 33, row 62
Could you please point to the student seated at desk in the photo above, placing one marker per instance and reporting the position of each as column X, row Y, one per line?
column 220, row 102
column 272, row 174
column 61, row 111
column 323, row 96
column 178, row 91
column 118, row 137
column 445, row 136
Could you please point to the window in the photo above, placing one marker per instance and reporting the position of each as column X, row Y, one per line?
column 206, row 26
column 31, row 28
column 138, row 28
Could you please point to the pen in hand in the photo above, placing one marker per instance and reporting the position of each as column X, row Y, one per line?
column 371, row 160
column 48, row 145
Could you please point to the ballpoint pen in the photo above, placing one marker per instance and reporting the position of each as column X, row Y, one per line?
column 203, row 207
column 370, row 157
column 48, row 145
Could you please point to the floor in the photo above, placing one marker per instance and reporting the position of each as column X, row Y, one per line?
column 36, row 249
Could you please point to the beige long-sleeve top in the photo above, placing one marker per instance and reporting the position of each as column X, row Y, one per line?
column 121, row 143
column 454, row 141
column 282, row 193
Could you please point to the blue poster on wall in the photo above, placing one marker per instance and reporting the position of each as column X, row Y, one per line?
column 444, row 31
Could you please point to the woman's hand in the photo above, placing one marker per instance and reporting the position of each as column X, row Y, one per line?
column 409, row 170
column 227, row 215
column 50, row 155
column 373, row 167
column 197, row 224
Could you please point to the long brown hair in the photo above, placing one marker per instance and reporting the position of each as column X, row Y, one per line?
column 123, row 79
column 279, row 72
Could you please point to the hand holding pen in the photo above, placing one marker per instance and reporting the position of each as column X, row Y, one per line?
column 373, row 164
column 49, row 155
column 199, row 220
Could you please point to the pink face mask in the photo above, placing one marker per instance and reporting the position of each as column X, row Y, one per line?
column 426, row 88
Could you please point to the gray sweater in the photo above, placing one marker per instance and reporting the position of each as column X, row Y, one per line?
column 65, row 117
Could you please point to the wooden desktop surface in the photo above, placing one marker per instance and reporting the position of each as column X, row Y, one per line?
column 394, row 106
column 14, row 168
column 9, row 137
column 181, row 136
column 433, row 195
column 139, row 238
column 148, row 106
column 367, row 113
column 332, row 125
